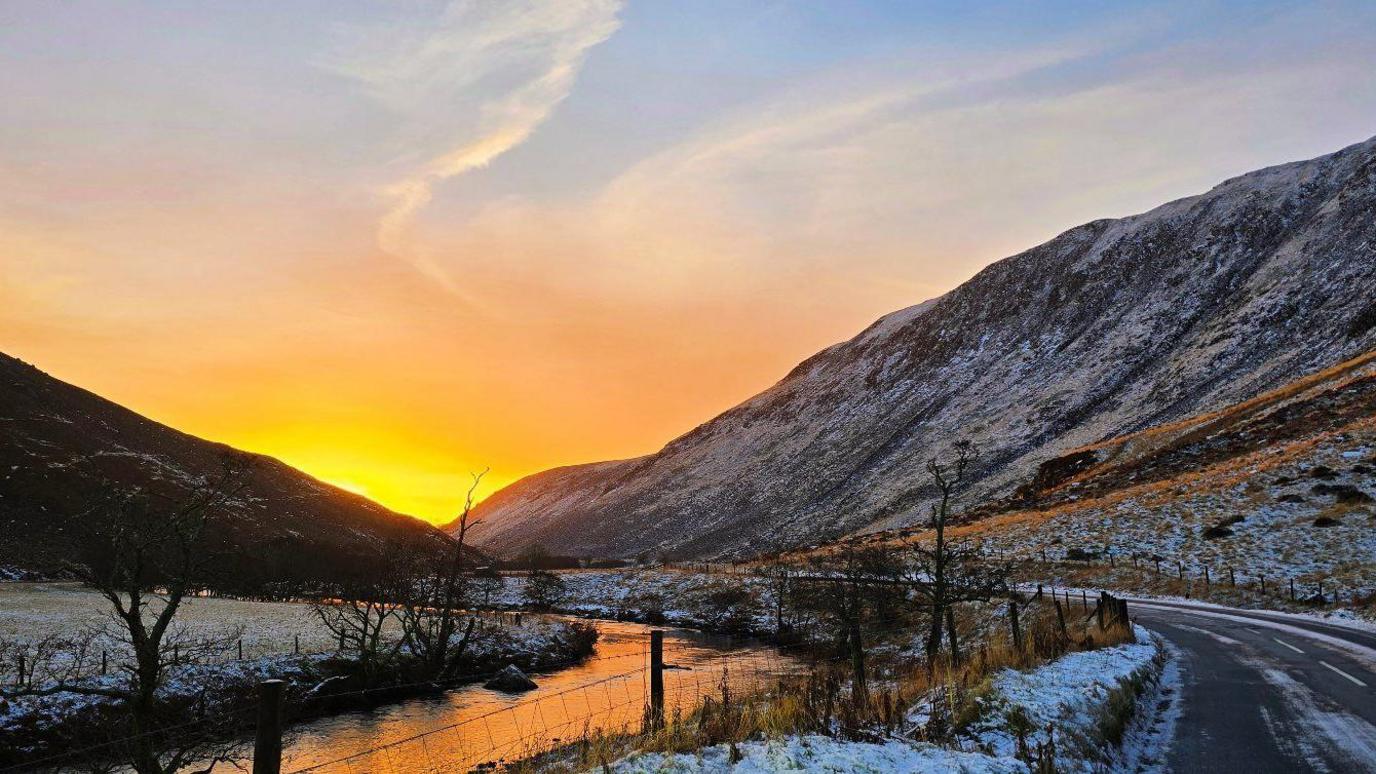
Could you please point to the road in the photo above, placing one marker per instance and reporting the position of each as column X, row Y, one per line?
column 1267, row 693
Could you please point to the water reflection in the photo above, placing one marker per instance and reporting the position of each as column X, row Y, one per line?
column 470, row 726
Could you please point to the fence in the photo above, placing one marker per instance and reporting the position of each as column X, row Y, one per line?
column 1194, row 576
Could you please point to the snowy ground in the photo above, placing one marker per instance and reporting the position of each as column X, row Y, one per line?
column 30, row 611
column 1069, row 694
column 682, row 597
column 1269, row 503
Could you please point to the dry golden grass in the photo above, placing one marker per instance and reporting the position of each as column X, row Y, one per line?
column 823, row 701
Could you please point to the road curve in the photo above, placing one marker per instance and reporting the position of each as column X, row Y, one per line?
column 1263, row 692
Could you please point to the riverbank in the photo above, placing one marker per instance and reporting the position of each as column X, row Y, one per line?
column 212, row 691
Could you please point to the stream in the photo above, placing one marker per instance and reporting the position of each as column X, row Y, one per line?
column 469, row 726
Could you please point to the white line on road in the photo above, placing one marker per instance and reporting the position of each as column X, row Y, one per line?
column 1288, row 645
column 1344, row 674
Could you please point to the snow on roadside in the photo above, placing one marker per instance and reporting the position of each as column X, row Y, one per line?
column 1071, row 694
column 821, row 754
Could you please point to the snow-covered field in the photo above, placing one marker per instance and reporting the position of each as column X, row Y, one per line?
column 682, row 597
column 1070, row 694
column 31, row 611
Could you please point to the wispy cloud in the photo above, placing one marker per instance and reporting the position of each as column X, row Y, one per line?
column 488, row 73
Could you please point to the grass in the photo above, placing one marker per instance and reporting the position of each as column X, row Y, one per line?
column 825, row 699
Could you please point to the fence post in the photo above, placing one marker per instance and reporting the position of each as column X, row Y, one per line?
column 1206, row 578
column 1060, row 620
column 1320, row 600
column 1084, row 599
column 1111, row 561
column 267, row 744
column 241, row 649
column 104, row 662
column 951, row 635
column 1013, row 621
column 296, row 643
column 656, row 680
column 1292, row 589
column 1181, row 570
column 1099, row 610
column 1262, row 578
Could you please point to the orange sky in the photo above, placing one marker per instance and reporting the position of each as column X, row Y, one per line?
column 413, row 241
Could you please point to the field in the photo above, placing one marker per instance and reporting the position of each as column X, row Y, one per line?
column 31, row 611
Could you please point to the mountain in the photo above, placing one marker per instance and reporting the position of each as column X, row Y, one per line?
column 1282, row 485
column 61, row 448
column 1110, row 328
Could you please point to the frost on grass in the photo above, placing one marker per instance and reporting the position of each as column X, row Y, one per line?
column 1089, row 698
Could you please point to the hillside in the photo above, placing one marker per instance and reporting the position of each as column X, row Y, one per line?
column 1283, row 485
column 1110, row 328
column 60, row 445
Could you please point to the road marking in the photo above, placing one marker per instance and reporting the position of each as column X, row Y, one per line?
column 1344, row 674
column 1288, row 645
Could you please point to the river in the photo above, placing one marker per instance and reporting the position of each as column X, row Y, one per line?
column 466, row 727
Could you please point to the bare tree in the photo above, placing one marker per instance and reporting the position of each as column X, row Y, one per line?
column 778, row 577
column 144, row 552
column 854, row 587
column 433, row 613
column 361, row 608
column 948, row 572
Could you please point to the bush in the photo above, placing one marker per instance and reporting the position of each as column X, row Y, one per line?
column 544, row 589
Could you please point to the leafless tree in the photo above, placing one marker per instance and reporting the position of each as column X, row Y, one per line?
column 433, row 612
column 854, row 587
column 363, row 611
column 778, row 578
column 947, row 572
column 144, row 552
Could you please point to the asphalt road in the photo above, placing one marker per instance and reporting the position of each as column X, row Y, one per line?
column 1266, row 693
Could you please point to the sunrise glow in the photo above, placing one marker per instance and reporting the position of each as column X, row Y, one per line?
column 413, row 241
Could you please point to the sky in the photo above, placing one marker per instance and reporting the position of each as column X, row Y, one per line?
column 394, row 243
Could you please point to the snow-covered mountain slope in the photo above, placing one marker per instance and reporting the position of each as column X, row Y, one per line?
column 1110, row 328
column 1282, row 485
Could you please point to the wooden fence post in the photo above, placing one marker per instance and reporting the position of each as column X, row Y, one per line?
column 1321, row 591
column 1292, row 589
column 104, row 662
column 267, row 743
column 1206, row 578
column 1099, row 610
column 1013, row 621
column 1181, row 570
column 1262, row 578
column 1084, row 599
column 1157, row 560
column 296, row 643
column 241, row 649
column 656, row 680
column 1060, row 621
